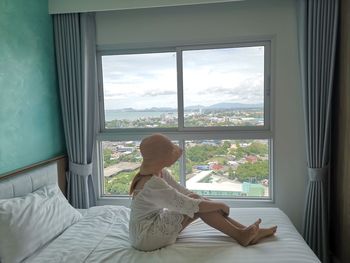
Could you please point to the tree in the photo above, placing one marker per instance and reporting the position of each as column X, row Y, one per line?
column 197, row 153
column 175, row 171
column 107, row 155
column 226, row 145
column 239, row 152
column 253, row 171
column 231, row 173
column 119, row 183
column 257, row 148
column 203, row 152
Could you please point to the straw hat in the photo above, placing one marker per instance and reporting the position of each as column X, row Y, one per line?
column 158, row 152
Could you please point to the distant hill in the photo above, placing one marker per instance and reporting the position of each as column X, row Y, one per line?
column 218, row 106
column 159, row 109
column 195, row 107
column 223, row 106
column 233, row 106
column 148, row 109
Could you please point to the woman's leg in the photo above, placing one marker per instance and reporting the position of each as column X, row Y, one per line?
column 232, row 221
column 188, row 220
column 263, row 232
column 239, row 225
column 242, row 235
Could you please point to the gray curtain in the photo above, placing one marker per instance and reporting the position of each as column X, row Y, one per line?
column 317, row 43
column 76, row 66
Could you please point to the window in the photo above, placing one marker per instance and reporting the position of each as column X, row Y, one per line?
column 213, row 101
column 223, row 87
column 140, row 90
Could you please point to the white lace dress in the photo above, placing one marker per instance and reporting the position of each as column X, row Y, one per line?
column 157, row 212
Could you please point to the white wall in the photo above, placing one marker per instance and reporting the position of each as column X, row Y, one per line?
column 229, row 21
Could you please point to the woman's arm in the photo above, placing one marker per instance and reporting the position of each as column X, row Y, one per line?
column 206, row 205
column 170, row 180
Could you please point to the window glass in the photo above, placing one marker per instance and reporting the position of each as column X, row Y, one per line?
column 140, row 90
column 224, row 87
column 228, row 168
column 121, row 161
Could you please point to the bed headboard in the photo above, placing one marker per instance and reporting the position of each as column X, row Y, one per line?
column 28, row 181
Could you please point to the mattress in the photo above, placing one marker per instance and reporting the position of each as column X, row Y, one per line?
column 102, row 236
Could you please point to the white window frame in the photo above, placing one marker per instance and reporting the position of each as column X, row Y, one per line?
column 188, row 133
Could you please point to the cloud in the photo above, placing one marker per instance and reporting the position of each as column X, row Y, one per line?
column 115, row 93
column 225, row 60
column 144, row 65
column 229, row 89
column 153, row 93
column 245, row 86
column 210, row 76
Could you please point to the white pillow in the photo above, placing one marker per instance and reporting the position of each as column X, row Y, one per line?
column 29, row 222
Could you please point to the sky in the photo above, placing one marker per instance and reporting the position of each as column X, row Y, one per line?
column 210, row 76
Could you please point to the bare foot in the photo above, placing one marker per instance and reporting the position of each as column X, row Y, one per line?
column 262, row 233
column 257, row 222
column 248, row 234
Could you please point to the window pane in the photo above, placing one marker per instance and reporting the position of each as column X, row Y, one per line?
column 228, row 168
column 121, row 162
column 224, row 87
column 140, row 90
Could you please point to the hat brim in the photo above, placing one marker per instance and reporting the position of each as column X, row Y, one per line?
column 150, row 167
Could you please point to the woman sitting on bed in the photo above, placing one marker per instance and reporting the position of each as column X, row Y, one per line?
column 161, row 208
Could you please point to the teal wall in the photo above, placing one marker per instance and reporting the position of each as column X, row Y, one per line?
column 30, row 120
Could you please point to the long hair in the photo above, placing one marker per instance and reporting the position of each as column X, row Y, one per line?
column 134, row 182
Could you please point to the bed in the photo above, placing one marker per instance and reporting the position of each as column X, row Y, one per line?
column 100, row 234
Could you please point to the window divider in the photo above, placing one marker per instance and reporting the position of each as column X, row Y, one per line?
column 102, row 120
column 182, row 163
column 180, row 97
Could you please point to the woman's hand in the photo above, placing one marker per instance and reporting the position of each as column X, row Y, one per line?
column 193, row 195
column 196, row 196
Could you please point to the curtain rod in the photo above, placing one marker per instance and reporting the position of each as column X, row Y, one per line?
column 82, row 6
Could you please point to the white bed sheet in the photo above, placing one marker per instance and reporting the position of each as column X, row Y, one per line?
column 102, row 236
